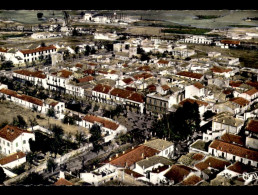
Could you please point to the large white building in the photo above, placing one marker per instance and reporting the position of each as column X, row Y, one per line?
column 14, row 139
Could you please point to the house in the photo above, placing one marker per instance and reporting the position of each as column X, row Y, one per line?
column 210, row 166
column 196, row 89
column 177, row 173
column 165, row 148
column 36, row 54
column 101, row 93
column 145, row 166
column 190, row 75
column 14, row 139
column 156, row 103
column 157, row 174
column 13, row 160
column 233, row 152
column 100, row 175
column 128, row 158
column 198, row 40
column 226, row 72
column 10, row 55
column 250, row 95
column 241, row 103
column 191, row 180
column 58, row 80
column 63, row 182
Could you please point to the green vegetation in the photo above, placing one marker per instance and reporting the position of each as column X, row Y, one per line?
column 178, row 125
column 242, row 26
column 96, row 138
column 201, row 17
column 189, row 30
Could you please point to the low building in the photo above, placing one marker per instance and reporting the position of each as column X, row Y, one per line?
column 13, row 160
column 251, row 132
column 234, row 152
column 196, row 89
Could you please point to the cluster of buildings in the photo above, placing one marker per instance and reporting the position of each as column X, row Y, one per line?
column 157, row 86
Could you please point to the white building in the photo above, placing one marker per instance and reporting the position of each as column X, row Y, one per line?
column 197, row 89
column 198, row 40
column 14, row 139
column 13, row 160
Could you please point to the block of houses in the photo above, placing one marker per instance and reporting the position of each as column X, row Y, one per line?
column 14, row 139
column 30, row 55
column 13, row 160
column 226, row 72
column 196, row 89
column 233, row 152
column 35, row 77
column 198, row 40
column 109, row 127
column 10, row 55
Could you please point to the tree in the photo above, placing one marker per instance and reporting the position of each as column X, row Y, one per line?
column 43, row 44
column 39, row 15
column 95, row 138
column 58, row 131
column 87, row 50
column 77, row 49
column 2, row 175
column 50, row 113
column 7, row 65
column 51, row 165
column 33, row 122
column 19, row 122
column 79, row 137
column 34, row 179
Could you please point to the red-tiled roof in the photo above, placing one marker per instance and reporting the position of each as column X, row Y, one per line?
column 102, row 72
column 128, row 80
column 252, row 125
column 233, row 139
column 22, row 97
column 10, row 132
column 85, row 79
column 178, row 172
column 143, row 75
column 212, row 162
column 235, row 83
column 92, row 64
column 39, row 49
column 102, row 88
column 136, row 97
column 165, row 87
column 220, row 69
column 106, row 123
column 251, row 91
column 198, row 85
column 252, row 83
column 240, row 101
column 38, row 74
column 132, row 156
column 79, row 65
column 190, row 74
column 192, row 180
column 234, row 149
column 122, row 93
column 230, row 42
column 63, row 182
column 130, row 88
column 151, row 88
column 144, row 68
column 163, row 62
column 197, row 156
column 3, row 50
column 12, row 158
column 200, row 103
column 132, row 173
column 63, row 73
column 89, row 71
column 239, row 167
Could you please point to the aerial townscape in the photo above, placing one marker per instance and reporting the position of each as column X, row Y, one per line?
column 128, row 97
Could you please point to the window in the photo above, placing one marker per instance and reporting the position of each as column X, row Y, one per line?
column 17, row 144
column 24, row 141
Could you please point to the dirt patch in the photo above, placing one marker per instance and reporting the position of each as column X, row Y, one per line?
column 10, row 110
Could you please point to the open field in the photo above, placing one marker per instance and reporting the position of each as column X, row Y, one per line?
column 10, row 110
